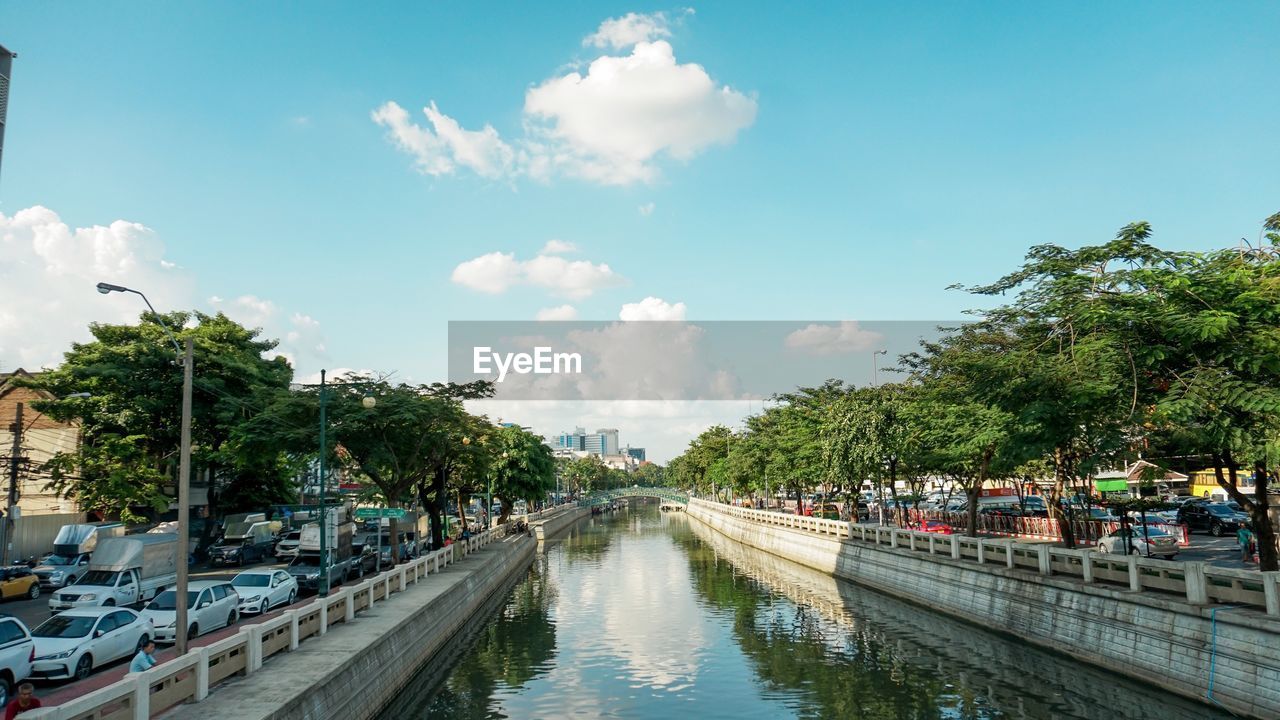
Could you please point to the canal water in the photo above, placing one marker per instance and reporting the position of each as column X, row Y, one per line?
column 642, row 614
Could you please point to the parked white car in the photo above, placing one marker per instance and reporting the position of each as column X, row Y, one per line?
column 1153, row 541
column 211, row 604
column 17, row 650
column 262, row 589
column 287, row 548
column 74, row 642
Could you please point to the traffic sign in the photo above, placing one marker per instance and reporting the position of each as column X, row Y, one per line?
column 369, row 513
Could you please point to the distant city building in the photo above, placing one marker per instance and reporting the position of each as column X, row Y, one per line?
column 636, row 453
column 601, row 442
column 6, row 69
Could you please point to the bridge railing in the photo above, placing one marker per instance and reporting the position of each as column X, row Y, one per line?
column 189, row 678
column 1194, row 581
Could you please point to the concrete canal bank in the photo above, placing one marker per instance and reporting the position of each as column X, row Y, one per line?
column 1222, row 654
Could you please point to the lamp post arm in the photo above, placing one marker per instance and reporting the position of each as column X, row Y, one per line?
column 176, row 348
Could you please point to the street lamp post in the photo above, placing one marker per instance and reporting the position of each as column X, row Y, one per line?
column 186, row 359
column 368, row 401
column 875, row 367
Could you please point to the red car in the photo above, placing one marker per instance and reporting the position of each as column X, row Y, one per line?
column 935, row 526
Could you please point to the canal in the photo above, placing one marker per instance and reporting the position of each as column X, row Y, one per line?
column 642, row 614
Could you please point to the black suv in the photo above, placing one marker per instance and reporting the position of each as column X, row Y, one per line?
column 1218, row 518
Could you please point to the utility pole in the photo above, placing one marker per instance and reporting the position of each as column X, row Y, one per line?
column 184, row 503
column 15, row 462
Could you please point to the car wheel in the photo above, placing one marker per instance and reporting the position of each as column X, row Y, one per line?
column 109, row 603
column 1102, row 548
column 194, row 630
column 6, row 687
column 34, row 592
column 293, row 595
column 142, row 642
column 1215, row 529
column 84, row 667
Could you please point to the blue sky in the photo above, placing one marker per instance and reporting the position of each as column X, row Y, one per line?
column 885, row 151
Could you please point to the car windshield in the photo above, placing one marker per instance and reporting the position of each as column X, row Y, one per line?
column 254, row 580
column 293, row 536
column 65, row 626
column 167, row 600
column 1137, row 531
column 60, row 560
column 99, row 577
column 1220, row 510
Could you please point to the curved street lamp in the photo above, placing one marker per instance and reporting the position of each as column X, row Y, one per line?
column 184, row 469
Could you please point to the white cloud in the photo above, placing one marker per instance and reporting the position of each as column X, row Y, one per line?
column 491, row 273
column 822, row 340
column 495, row 272
column 556, row 247
column 625, row 31
column 647, row 209
column 562, row 312
column 49, row 273
column 652, row 308
column 447, row 146
column 610, row 125
column 50, row 270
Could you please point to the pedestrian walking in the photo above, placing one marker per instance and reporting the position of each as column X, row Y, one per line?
column 145, row 659
column 26, row 700
column 1244, row 537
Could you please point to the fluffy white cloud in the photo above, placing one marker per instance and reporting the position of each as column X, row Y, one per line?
column 557, row 247
column 490, row 273
column 49, row 274
column 447, row 145
column 562, row 312
column 840, row 339
column 625, row 31
column 610, row 125
column 652, row 308
column 495, row 272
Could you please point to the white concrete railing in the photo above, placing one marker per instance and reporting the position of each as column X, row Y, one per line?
column 144, row 695
column 1197, row 582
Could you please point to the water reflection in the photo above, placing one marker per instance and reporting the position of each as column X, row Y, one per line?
column 843, row 651
column 648, row 615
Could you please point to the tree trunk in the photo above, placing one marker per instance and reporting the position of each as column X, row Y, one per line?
column 433, row 502
column 1061, row 470
column 395, row 539
column 1264, row 532
column 893, row 492
column 506, row 510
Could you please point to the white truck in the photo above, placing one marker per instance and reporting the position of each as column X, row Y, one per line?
column 72, row 548
column 123, row 571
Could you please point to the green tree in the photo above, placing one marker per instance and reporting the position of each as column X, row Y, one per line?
column 128, row 458
column 523, row 467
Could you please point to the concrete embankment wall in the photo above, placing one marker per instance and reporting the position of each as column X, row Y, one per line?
column 354, row 670
column 1224, row 656
column 550, row 527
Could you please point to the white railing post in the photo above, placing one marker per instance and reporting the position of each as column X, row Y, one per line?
column 293, row 629
column 1197, row 585
column 350, row 606
column 932, row 549
column 1086, row 566
column 141, row 696
column 1008, row 554
column 253, row 639
column 402, row 578
column 202, row 671
column 1044, row 560
column 893, row 538
column 955, row 547
column 1135, row 579
column 324, row 616
column 982, row 551
column 1271, row 591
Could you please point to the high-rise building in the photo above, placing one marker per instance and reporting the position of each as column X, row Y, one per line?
column 6, row 70
column 575, row 440
column 635, row 453
column 609, row 441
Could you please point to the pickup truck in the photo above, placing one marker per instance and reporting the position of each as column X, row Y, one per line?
column 72, row 549
column 123, row 571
